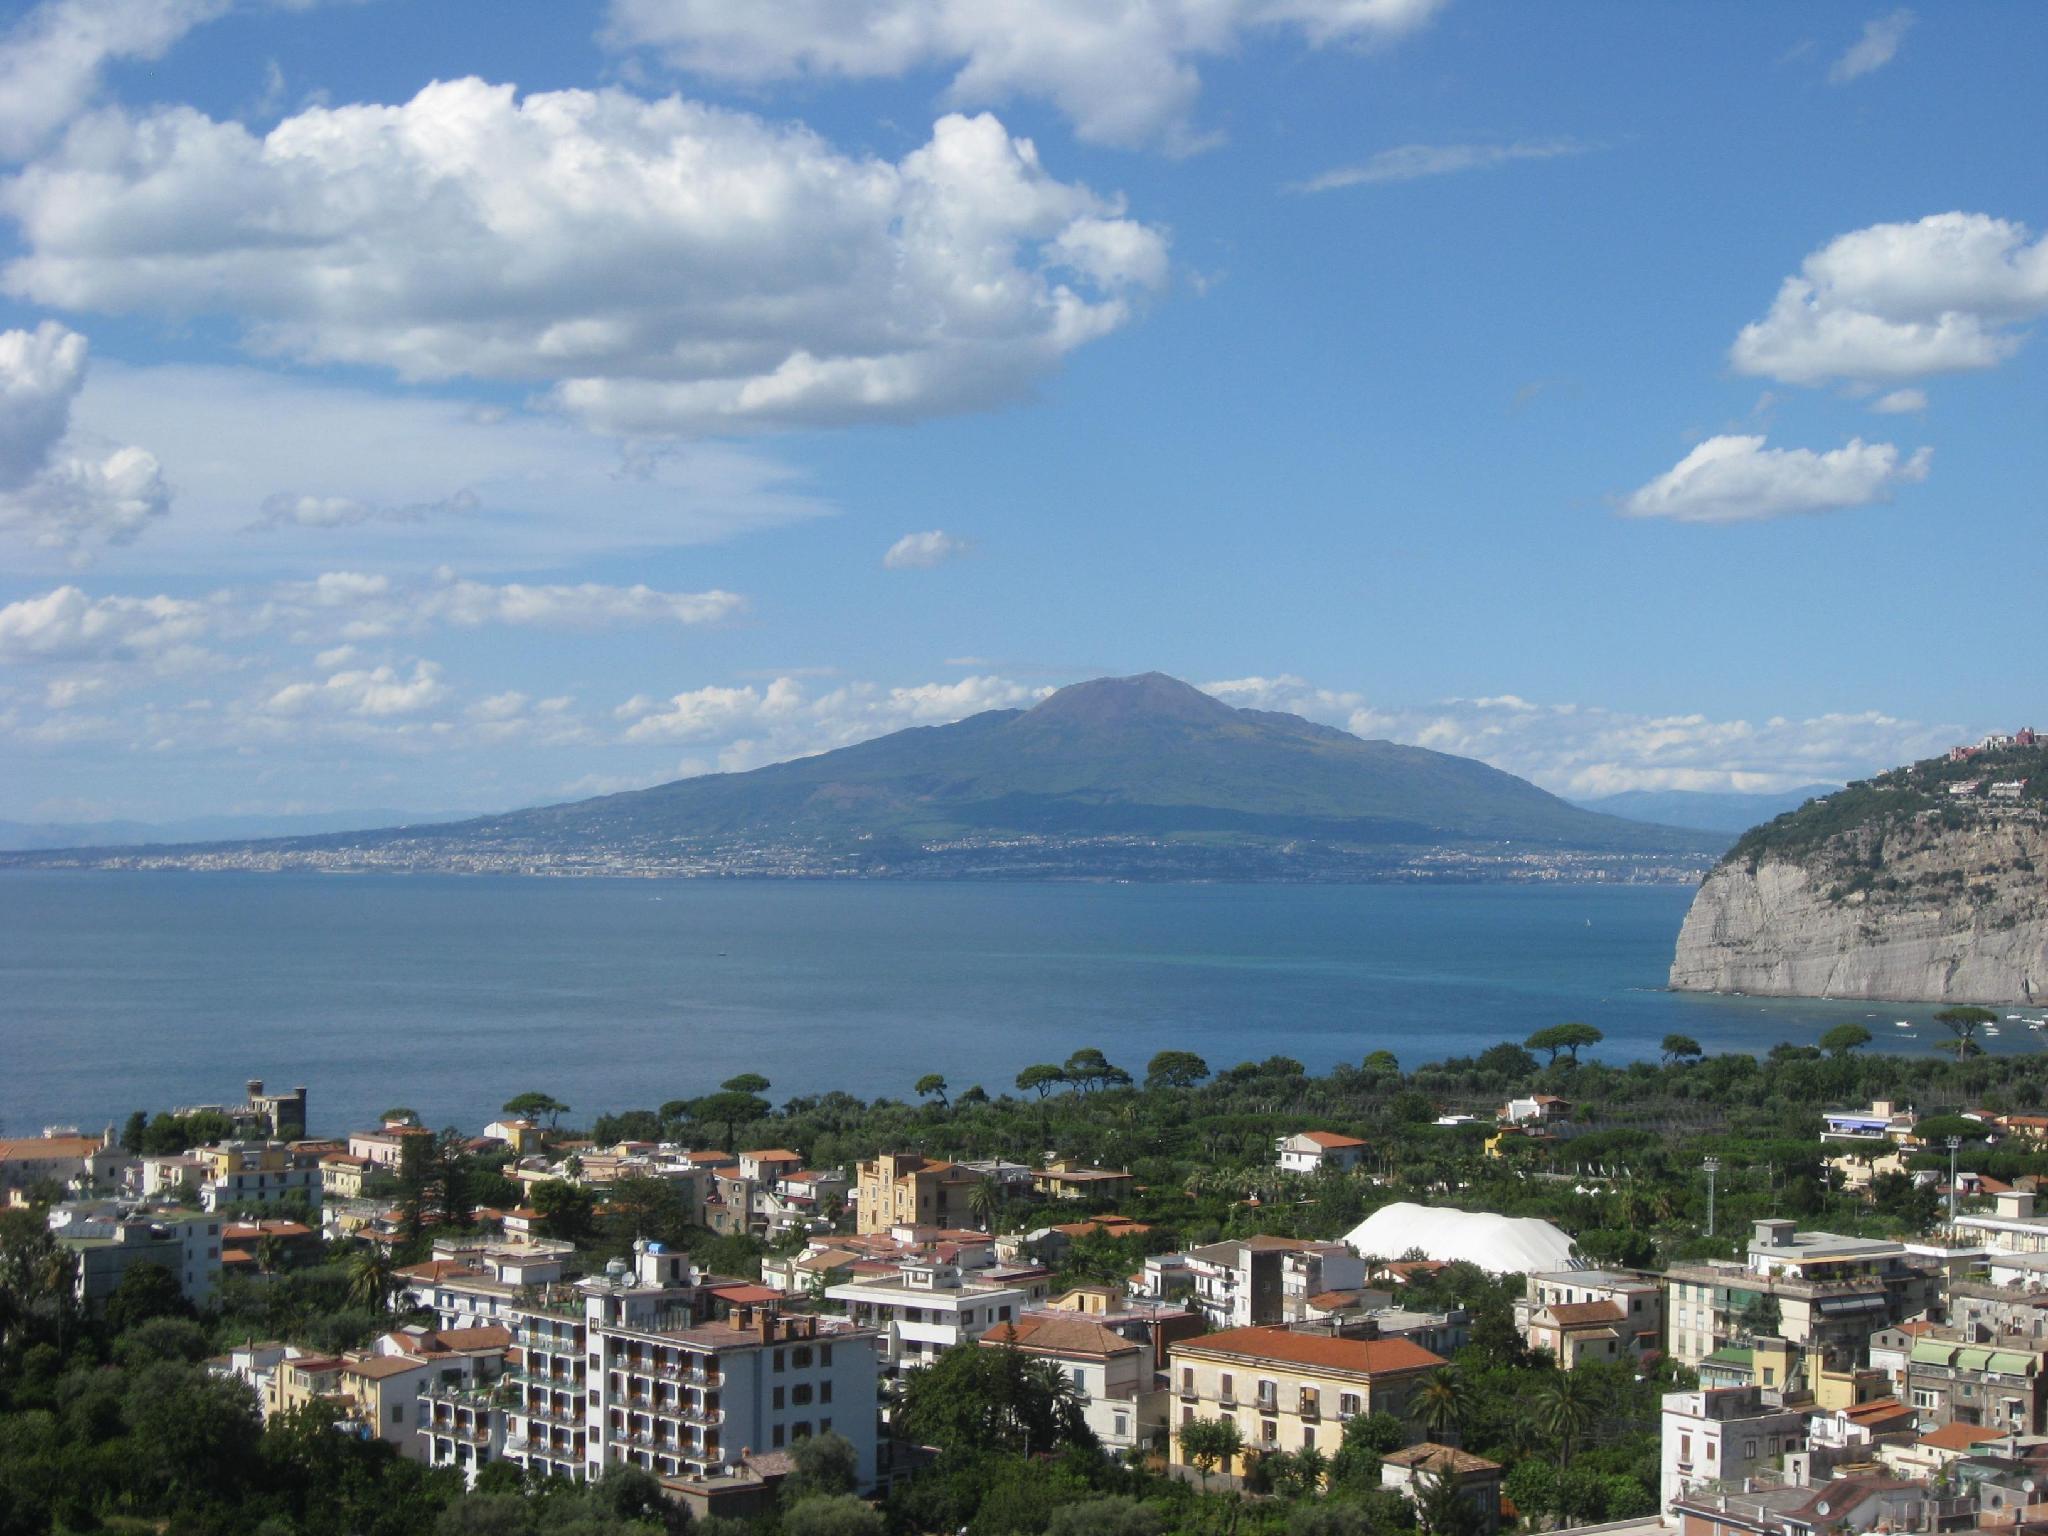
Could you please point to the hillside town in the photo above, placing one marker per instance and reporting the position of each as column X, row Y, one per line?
column 1804, row 1380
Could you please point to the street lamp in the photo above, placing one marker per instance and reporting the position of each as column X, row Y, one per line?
column 1713, row 1166
column 1953, row 1143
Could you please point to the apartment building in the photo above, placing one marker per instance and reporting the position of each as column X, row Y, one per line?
column 1813, row 1289
column 902, row 1189
column 2009, row 1227
column 1592, row 1314
column 1290, row 1389
column 1725, row 1434
column 1258, row 1280
column 1066, row 1179
column 2001, row 1386
column 687, row 1399
column 107, row 1247
column 61, row 1156
column 924, row 1305
column 385, row 1147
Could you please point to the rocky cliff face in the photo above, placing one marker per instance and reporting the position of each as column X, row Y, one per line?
column 1932, row 911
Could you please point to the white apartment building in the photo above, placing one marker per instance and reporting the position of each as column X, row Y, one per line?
column 926, row 1305
column 1313, row 1151
column 1726, row 1433
column 258, row 1173
column 108, row 1244
column 1591, row 1314
column 2011, row 1227
column 1112, row 1372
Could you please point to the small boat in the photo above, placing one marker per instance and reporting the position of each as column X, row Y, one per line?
column 1903, row 1024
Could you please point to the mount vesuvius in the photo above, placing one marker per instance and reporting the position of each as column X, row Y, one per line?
column 1137, row 777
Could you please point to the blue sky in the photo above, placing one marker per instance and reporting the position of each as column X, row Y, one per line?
column 460, row 406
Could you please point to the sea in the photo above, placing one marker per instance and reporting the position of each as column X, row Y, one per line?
column 149, row 990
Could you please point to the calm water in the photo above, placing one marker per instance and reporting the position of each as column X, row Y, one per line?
column 121, row 991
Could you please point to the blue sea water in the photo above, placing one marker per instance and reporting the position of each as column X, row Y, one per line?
column 121, row 991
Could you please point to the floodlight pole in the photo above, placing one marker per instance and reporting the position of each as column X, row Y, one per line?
column 1953, row 1143
column 1713, row 1166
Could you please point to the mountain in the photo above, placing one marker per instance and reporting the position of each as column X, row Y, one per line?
column 1135, row 777
column 21, row 835
column 1704, row 810
column 1922, row 884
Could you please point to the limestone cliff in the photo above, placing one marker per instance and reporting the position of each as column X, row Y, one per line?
column 1892, row 889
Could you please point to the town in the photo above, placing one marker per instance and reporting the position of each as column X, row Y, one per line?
column 1361, row 1325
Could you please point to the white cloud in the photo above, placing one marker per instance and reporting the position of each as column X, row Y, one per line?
column 1414, row 162
column 1901, row 301
column 922, row 551
column 50, row 60
column 1587, row 750
column 68, row 625
column 582, row 606
column 782, row 720
column 378, row 692
column 1735, row 479
column 1877, row 47
column 1122, row 71
column 60, row 488
column 664, row 266
column 1900, row 402
column 283, row 509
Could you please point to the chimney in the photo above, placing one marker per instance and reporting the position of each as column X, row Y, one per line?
column 1775, row 1232
column 2016, row 1204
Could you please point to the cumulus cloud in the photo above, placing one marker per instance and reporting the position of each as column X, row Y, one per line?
column 51, row 59
column 1122, row 71
column 922, row 551
column 1877, row 47
column 68, row 625
column 1736, row 479
column 586, row 605
column 377, row 692
column 58, row 487
column 1900, row 402
column 1902, row 301
column 1587, row 750
column 1416, row 162
column 661, row 266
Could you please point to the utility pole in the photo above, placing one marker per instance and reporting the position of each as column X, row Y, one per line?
column 1953, row 1143
column 1713, row 1166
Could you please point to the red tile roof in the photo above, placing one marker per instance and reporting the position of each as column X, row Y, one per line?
column 1330, row 1139
column 1361, row 1356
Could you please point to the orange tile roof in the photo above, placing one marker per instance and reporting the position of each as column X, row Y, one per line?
column 1360, row 1356
column 377, row 1367
column 1438, row 1457
column 1958, row 1437
column 774, row 1155
column 1582, row 1314
column 1330, row 1139
column 1059, row 1336
column 41, row 1148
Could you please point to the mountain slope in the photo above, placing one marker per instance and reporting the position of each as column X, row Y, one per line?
column 1071, row 786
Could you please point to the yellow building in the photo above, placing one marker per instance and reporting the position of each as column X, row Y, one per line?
column 1291, row 1390
column 901, row 1189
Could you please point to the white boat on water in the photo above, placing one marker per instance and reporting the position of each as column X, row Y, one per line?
column 1903, row 1024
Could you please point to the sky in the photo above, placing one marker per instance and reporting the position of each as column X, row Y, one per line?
column 461, row 406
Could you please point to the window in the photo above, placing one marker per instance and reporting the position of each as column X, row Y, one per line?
column 824, row 1354
column 801, row 1395
column 1308, row 1437
column 801, row 1431
column 824, row 1426
column 824, row 1391
column 1347, row 1404
column 1269, row 1432
column 780, row 1361
column 1228, row 1390
column 398, row 1413
column 800, row 1357
column 778, row 1397
column 777, row 1437
column 1187, row 1380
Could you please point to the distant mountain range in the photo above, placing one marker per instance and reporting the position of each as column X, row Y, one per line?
column 1705, row 810
column 19, row 835
column 1138, row 777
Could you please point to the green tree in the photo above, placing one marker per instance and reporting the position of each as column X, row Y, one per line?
column 1678, row 1048
column 1570, row 1037
column 824, row 1465
column 1441, row 1509
column 982, row 1399
column 1115, row 1515
column 1532, row 1484
column 1088, row 1069
column 730, row 1108
column 1963, row 1024
column 931, row 1086
column 839, row 1514
column 1840, row 1041
column 371, row 1278
column 1206, row 1444
column 568, row 1211
column 747, row 1082
column 133, row 1131
column 1175, row 1069
column 985, row 1203
column 146, row 1291
column 531, row 1106
column 1041, row 1078
column 401, row 1115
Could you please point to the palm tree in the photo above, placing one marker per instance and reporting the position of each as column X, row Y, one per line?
column 984, row 1203
column 371, row 1278
column 1442, row 1404
column 1564, row 1407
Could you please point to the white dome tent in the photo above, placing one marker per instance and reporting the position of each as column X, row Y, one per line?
column 1500, row 1245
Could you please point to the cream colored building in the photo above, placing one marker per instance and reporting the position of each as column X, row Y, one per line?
column 1290, row 1389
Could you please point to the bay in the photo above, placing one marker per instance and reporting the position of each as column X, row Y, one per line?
column 121, row 991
